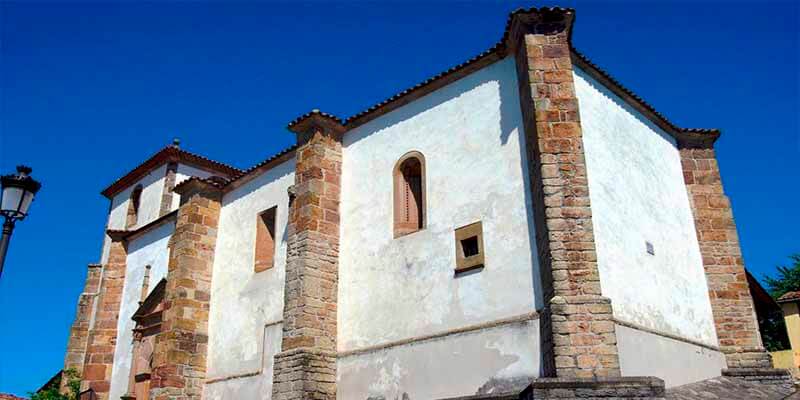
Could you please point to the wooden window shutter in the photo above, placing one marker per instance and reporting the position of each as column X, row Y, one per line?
column 409, row 196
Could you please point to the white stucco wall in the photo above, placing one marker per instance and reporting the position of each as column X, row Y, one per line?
column 149, row 204
column 244, row 302
column 638, row 194
column 445, row 368
column 676, row 362
column 393, row 289
column 183, row 173
column 148, row 249
column 255, row 386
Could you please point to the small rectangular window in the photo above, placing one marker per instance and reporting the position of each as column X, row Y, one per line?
column 469, row 247
column 265, row 240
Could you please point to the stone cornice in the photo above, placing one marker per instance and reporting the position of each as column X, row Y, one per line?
column 314, row 122
column 128, row 235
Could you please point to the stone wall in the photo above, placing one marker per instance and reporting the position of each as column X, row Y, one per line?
column 99, row 360
column 179, row 362
column 577, row 326
column 639, row 388
column 306, row 366
column 169, row 186
column 79, row 332
column 728, row 289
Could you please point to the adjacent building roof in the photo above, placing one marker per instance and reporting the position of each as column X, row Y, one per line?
column 6, row 396
column 789, row 296
column 761, row 298
column 171, row 153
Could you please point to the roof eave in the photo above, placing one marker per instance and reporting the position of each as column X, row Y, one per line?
column 166, row 155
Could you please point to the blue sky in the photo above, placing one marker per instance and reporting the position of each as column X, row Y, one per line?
column 89, row 90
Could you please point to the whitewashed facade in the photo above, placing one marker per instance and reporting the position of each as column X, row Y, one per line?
column 410, row 326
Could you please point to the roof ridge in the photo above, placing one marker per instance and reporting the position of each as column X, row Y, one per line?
column 498, row 50
column 164, row 155
column 582, row 57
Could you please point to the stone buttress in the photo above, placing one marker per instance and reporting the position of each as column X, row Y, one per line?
column 179, row 361
column 579, row 344
column 306, row 366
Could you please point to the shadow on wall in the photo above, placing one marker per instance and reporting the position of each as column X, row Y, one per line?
column 510, row 120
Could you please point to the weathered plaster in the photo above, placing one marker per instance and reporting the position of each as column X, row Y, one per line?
column 676, row 362
column 149, row 249
column 243, row 301
column 486, row 361
column 256, row 384
column 392, row 289
column 150, row 202
column 638, row 194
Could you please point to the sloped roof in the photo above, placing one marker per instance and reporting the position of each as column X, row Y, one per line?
column 761, row 297
column 495, row 53
column 171, row 153
column 152, row 300
column 789, row 296
column 7, row 396
column 500, row 51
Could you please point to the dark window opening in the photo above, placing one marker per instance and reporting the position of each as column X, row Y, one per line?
column 133, row 207
column 470, row 246
column 265, row 240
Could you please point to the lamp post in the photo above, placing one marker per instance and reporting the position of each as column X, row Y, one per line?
column 17, row 195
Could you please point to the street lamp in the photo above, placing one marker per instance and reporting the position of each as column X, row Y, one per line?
column 17, row 195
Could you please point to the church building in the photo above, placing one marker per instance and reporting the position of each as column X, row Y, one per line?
column 518, row 226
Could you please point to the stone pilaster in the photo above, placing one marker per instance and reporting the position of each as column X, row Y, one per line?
column 79, row 332
column 578, row 333
column 179, row 362
column 99, row 358
column 306, row 367
column 169, row 186
column 731, row 302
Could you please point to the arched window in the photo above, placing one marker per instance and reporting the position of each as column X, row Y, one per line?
column 409, row 194
column 133, row 206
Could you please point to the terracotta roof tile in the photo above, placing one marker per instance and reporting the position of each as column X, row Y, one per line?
column 168, row 154
column 361, row 117
column 6, row 396
column 263, row 165
column 499, row 51
column 613, row 83
column 789, row 296
column 215, row 181
column 312, row 113
column 493, row 54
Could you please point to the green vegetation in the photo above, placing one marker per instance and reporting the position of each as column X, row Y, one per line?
column 51, row 392
column 773, row 327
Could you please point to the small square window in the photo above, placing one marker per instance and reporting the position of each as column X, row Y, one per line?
column 469, row 247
